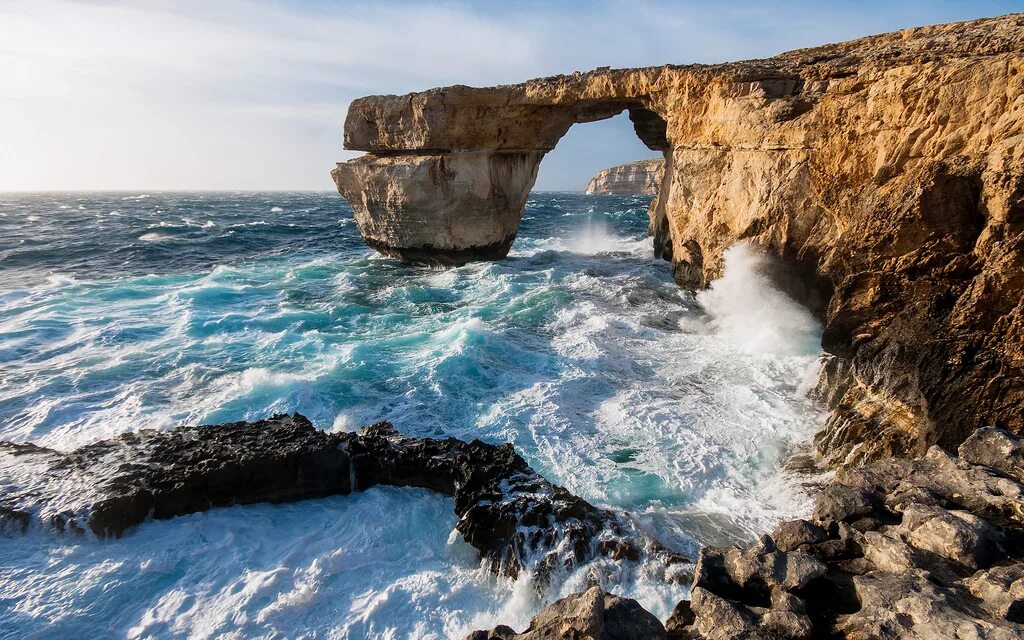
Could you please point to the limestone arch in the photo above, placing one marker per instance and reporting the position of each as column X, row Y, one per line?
column 448, row 172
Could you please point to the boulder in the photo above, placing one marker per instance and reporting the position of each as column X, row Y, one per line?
column 909, row 605
column 959, row 536
column 794, row 535
column 590, row 615
column 996, row 449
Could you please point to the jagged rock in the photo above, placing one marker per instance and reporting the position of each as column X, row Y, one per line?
column 996, row 449
column 794, row 535
column 680, row 619
column 909, row 605
column 886, row 174
column 889, row 553
column 641, row 178
column 507, row 511
column 1001, row 591
column 591, row 615
column 957, row 535
column 940, row 479
column 115, row 484
column 903, row 570
column 844, row 503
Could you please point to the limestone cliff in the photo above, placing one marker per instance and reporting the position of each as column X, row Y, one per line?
column 887, row 173
column 640, row 178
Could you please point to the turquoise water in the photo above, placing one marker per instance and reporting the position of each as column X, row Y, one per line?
column 127, row 311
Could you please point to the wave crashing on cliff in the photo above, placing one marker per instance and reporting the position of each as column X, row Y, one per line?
column 579, row 349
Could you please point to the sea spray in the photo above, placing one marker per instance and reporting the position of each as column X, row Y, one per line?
column 579, row 349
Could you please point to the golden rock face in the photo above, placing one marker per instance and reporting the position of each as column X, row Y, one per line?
column 887, row 173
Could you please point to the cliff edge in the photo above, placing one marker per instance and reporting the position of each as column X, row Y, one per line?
column 886, row 173
column 639, row 178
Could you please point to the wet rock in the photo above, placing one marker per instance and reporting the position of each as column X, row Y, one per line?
column 507, row 511
column 591, row 615
column 112, row 485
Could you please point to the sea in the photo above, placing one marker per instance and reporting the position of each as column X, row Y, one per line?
column 129, row 311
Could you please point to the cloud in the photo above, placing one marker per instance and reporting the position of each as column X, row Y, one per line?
column 252, row 95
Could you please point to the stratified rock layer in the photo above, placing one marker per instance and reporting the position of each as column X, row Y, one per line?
column 887, row 173
column 513, row 516
column 640, row 178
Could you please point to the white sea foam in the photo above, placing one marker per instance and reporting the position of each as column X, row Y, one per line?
column 607, row 377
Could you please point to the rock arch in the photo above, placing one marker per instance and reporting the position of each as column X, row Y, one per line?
column 887, row 173
column 448, row 171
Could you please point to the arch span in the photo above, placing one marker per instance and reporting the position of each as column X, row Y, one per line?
column 448, row 171
column 886, row 173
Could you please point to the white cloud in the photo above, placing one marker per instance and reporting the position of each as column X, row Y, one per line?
column 253, row 94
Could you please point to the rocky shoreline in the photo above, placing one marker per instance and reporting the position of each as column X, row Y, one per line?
column 899, row 548
column 509, row 513
column 925, row 548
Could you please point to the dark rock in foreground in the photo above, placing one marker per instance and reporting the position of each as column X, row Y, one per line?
column 112, row 485
column 507, row 511
column 591, row 615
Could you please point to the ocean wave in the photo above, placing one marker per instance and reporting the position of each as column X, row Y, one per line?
column 579, row 350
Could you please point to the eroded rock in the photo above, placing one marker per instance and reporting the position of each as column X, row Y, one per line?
column 641, row 178
column 112, row 485
column 901, row 549
column 507, row 511
column 591, row 615
column 886, row 174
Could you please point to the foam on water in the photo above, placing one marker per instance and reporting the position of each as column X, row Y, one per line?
column 579, row 349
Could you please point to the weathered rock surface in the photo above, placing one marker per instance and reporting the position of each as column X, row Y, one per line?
column 887, row 173
column 508, row 512
column 900, row 549
column 591, row 615
column 115, row 484
column 640, row 178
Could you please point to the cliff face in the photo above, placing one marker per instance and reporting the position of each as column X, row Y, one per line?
column 640, row 178
column 887, row 173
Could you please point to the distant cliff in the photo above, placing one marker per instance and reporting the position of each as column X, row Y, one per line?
column 640, row 178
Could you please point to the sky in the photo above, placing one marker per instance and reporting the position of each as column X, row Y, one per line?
column 252, row 95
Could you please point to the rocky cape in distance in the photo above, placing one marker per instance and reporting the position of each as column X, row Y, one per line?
column 638, row 178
